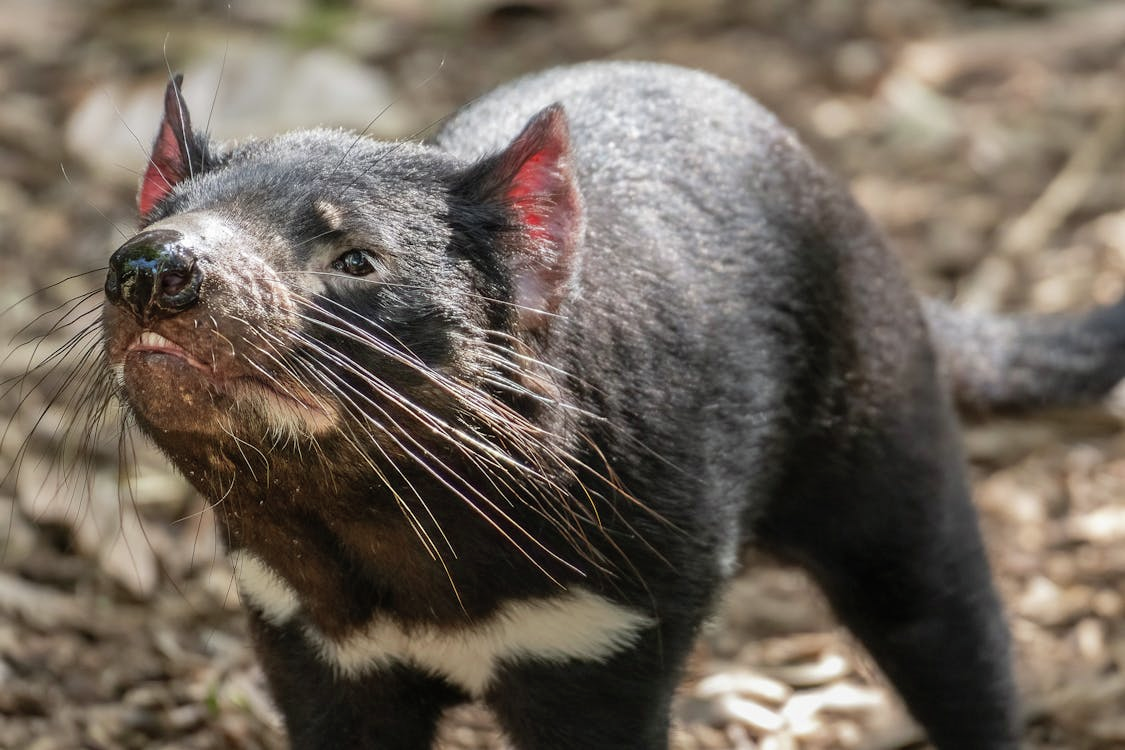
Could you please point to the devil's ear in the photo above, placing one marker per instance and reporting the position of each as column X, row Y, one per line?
column 533, row 179
column 177, row 153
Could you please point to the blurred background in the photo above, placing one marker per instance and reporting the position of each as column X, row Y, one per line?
column 986, row 138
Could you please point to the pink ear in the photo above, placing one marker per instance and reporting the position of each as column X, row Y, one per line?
column 171, row 159
column 541, row 189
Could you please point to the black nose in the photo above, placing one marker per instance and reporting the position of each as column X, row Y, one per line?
column 153, row 275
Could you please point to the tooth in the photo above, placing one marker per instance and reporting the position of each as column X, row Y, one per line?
column 151, row 338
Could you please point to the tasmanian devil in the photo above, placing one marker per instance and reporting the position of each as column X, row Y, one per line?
column 492, row 417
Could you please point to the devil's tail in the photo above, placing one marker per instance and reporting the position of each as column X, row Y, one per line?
column 1012, row 363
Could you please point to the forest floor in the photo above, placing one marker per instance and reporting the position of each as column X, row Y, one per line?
column 987, row 140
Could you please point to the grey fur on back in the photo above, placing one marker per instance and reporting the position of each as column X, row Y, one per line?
column 991, row 362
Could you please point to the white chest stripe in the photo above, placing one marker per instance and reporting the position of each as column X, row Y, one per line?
column 577, row 624
column 574, row 625
column 261, row 586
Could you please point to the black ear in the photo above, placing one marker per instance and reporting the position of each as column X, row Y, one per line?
column 533, row 179
column 178, row 152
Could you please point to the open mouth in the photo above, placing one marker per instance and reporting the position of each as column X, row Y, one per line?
column 163, row 365
column 150, row 342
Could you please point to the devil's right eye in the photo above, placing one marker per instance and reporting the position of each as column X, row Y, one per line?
column 354, row 262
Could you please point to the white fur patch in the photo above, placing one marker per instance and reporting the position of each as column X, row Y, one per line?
column 262, row 587
column 332, row 215
column 576, row 625
column 286, row 418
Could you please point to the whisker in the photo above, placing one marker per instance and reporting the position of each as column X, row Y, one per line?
column 179, row 105
column 90, row 203
column 54, row 360
column 353, row 441
column 239, row 442
column 41, row 290
column 444, row 476
column 463, row 394
column 145, row 150
column 82, row 396
column 424, row 536
column 502, row 418
column 219, row 83
column 63, row 321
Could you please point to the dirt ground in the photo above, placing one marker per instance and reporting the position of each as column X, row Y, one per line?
column 985, row 137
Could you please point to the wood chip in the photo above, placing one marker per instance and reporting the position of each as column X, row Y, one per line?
column 830, row 666
column 750, row 713
column 743, row 683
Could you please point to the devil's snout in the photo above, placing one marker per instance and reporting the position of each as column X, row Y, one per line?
column 154, row 275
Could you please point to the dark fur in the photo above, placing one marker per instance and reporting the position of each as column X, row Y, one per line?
column 703, row 343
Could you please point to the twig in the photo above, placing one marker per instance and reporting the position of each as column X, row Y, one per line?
column 936, row 62
column 997, row 277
